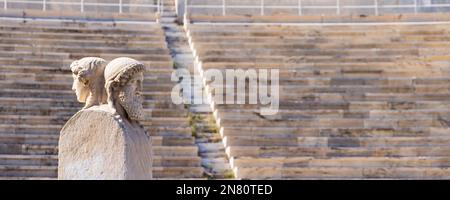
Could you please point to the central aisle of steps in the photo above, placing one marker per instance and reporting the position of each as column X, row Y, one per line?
column 204, row 130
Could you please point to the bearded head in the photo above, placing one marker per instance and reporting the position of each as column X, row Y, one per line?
column 124, row 78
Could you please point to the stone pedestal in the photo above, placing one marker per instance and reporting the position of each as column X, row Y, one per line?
column 95, row 144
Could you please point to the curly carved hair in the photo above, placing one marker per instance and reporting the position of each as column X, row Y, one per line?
column 86, row 67
column 89, row 71
column 129, row 71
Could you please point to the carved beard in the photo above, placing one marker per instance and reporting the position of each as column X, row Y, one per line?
column 132, row 104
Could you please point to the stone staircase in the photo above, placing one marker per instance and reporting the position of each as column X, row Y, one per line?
column 211, row 149
column 356, row 101
column 36, row 98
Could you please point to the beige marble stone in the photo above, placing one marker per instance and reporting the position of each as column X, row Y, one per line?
column 97, row 144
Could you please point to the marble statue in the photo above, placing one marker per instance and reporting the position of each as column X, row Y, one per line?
column 124, row 78
column 106, row 141
column 88, row 81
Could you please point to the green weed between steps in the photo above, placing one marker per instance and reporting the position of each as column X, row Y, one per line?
column 193, row 121
column 229, row 174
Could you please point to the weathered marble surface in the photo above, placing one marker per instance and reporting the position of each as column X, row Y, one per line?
column 97, row 144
